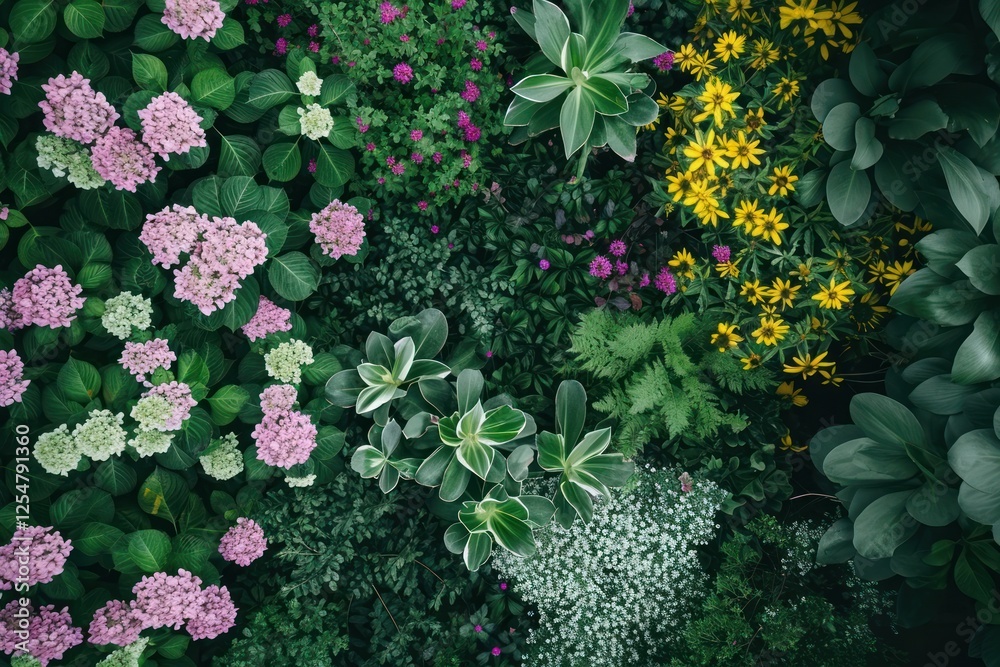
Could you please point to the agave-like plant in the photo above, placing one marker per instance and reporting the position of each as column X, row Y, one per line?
column 597, row 100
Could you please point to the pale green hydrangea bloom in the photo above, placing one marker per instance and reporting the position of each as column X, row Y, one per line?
column 127, row 656
column 309, row 84
column 102, row 435
column 316, row 121
column 152, row 413
column 225, row 461
column 300, row 481
column 57, row 451
column 25, row 660
column 147, row 443
column 65, row 157
column 284, row 362
column 125, row 311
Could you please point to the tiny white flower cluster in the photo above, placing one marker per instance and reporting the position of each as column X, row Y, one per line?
column 309, row 84
column 125, row 311
column 284, row 362
column 300, row 481
column 225, row 461
column 618, row 591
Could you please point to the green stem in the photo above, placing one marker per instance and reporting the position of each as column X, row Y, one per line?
column 582, row 164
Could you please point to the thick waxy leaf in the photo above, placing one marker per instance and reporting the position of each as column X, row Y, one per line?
column 576, row 120
column 551, row 29
column 540, row 88
column 884, row 525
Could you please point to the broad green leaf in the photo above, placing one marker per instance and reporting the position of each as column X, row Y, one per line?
column 576, row 120
column 32, row 20
column 97, row 538
column 368, row 461
column 477, row 550
column 837, row 543
column 334, row 166
column 606, row 96
column 227, row 402
column 571, row 410
column 149, row 550
column 968, row 187
column 887, row 421
column 238, row 156
column 540, row 88
column 848, row 192
column 270, row 88
column 163, row 494
column 868, row 149
column 79, row 381
column 115, row 476
column 84, row 18
column 915, row 120
column 293, row 276
column 883, row 525
column 551, row 29
column 213, row 88
column 866, row 74
column 975, row 457
column 838, row 127
column 982, row 266
column 79, row 506
column 978, row 359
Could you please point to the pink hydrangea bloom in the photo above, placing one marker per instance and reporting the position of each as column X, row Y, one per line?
column 141, row 359
column 8, row 70
column 339, row 229
column 226, row 253
column 192, row 19
column 665, row 281
column 115, row 623
column 165, row 600
column 268, row 319
column 172, row 231
column 47, row 298
column 278, row 398
column 179, row 396
column 618, row 248
column 73, row 110
column 284, row 438
column 721, row 253
column 9, row 317
column 402, row 73
column 170, row 125
column 243, row 543
column 50, row 632
column 46, row 553
column 12, row 385
column 216, row 614
column 600, row 267
column 121, row 158
column 471, row 92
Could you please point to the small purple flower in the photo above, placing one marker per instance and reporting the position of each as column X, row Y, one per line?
column 402, row 73
column 621, row 267
column 482, row 45
column 422, row 205
column 435, row 229
column 631, row 9
column 665, row 281
column 589, row 234
column 664, row 62
column 314, row 47
column 476, row 64
column 370, row 147
column 313, row 30
column 644, row 281
column 687, row 484
column 404, row 38
column 543, row 264
column 721, row 253
column 284, row 19
column 618, row 248
column 417, row 158
column 416, row 135
column 503, row 585
column 312, row 166
column 457, row 4
column 281, row 46
column 489, row 354
column 496, row 650
column 437, row 158
column 478, row 628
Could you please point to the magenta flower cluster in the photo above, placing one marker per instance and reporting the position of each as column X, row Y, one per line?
column 472, row 133
column 227, row 253
column 50, row 633
column 665, row 281
column 618, row 248
column 141, row 359
column 471, row 92
column 243, row 543
column 170, row 125
column 121, row 158
column 8, row 70
column 12, row 382
column 600, row 267
column 269, row 318
column 44, row 297
column 164, row 600
column 402, row 73
column 285, row 437
column 389, row 12
column 339, row 229
column 192, row 19
column 74, row 110
column 40, row 549
column 172, row 231
column 721, row 253
column 664, row 62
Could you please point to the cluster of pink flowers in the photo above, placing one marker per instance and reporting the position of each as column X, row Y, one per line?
column 285, row 437
column 46, row 553
column 227, row 253
column 141, row 359
column 721, row 253
column 278, row 398
column 45, row 297
column 12, row 382
column 665, row 281
column 9, row 317
column 192, row 19
column 339, row 229
column 170, row 125
column 50, row 633
column 243, row 543
column 390, row 12
column 172, row 231
column 664, row 62
column 269, row 318
column 73, row 110
column 472, row 133
column 8, row 70
column 618, row 248
column 164, row 600
column 402, row 73
column 600, row 267
column 476, row 64
column 179, row 396
column 471, row 92
column 121, row 158
column 283, row 20
column 544, row 264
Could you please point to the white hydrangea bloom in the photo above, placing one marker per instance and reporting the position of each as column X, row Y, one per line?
column 102, row 435
column 300, row 481
column 316, row 121
column 25, row 660
column 284, row 362
column 309, row 84
column 225, row 461
column 147, row 443
column 127, row 656
column 57, row 451
column 125, row 311
column 617, row 592
column 65, row 157
column 152, row 413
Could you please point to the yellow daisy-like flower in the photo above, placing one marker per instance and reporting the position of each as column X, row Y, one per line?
column 830, row 376
column 877, row 271
column 788, row 392
column 787, row 89
column 683, row 57
column 730, row 45
column 706, row 151
column 739, row 10
column 763, row 54
column 748, row 215
column 683, row 263
column 726, row 337
column 770, row 331
column 781, row 181
column 701, row 196
column 754, row 120
column 844, row 16
column 743, row 151
column 728, row 269
column 803, row 270
column 679, row 185
column 807, row 364
column 783, row 292
column 868, row 311
column 717, row 101
column 752, row 291
column 751, row 362
column 649, row 127
column 678, row 104
column 770, row 226
column 835, row 295
column 895, row 273
column 675, row 139
column 786, row 443
column 702, row 65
